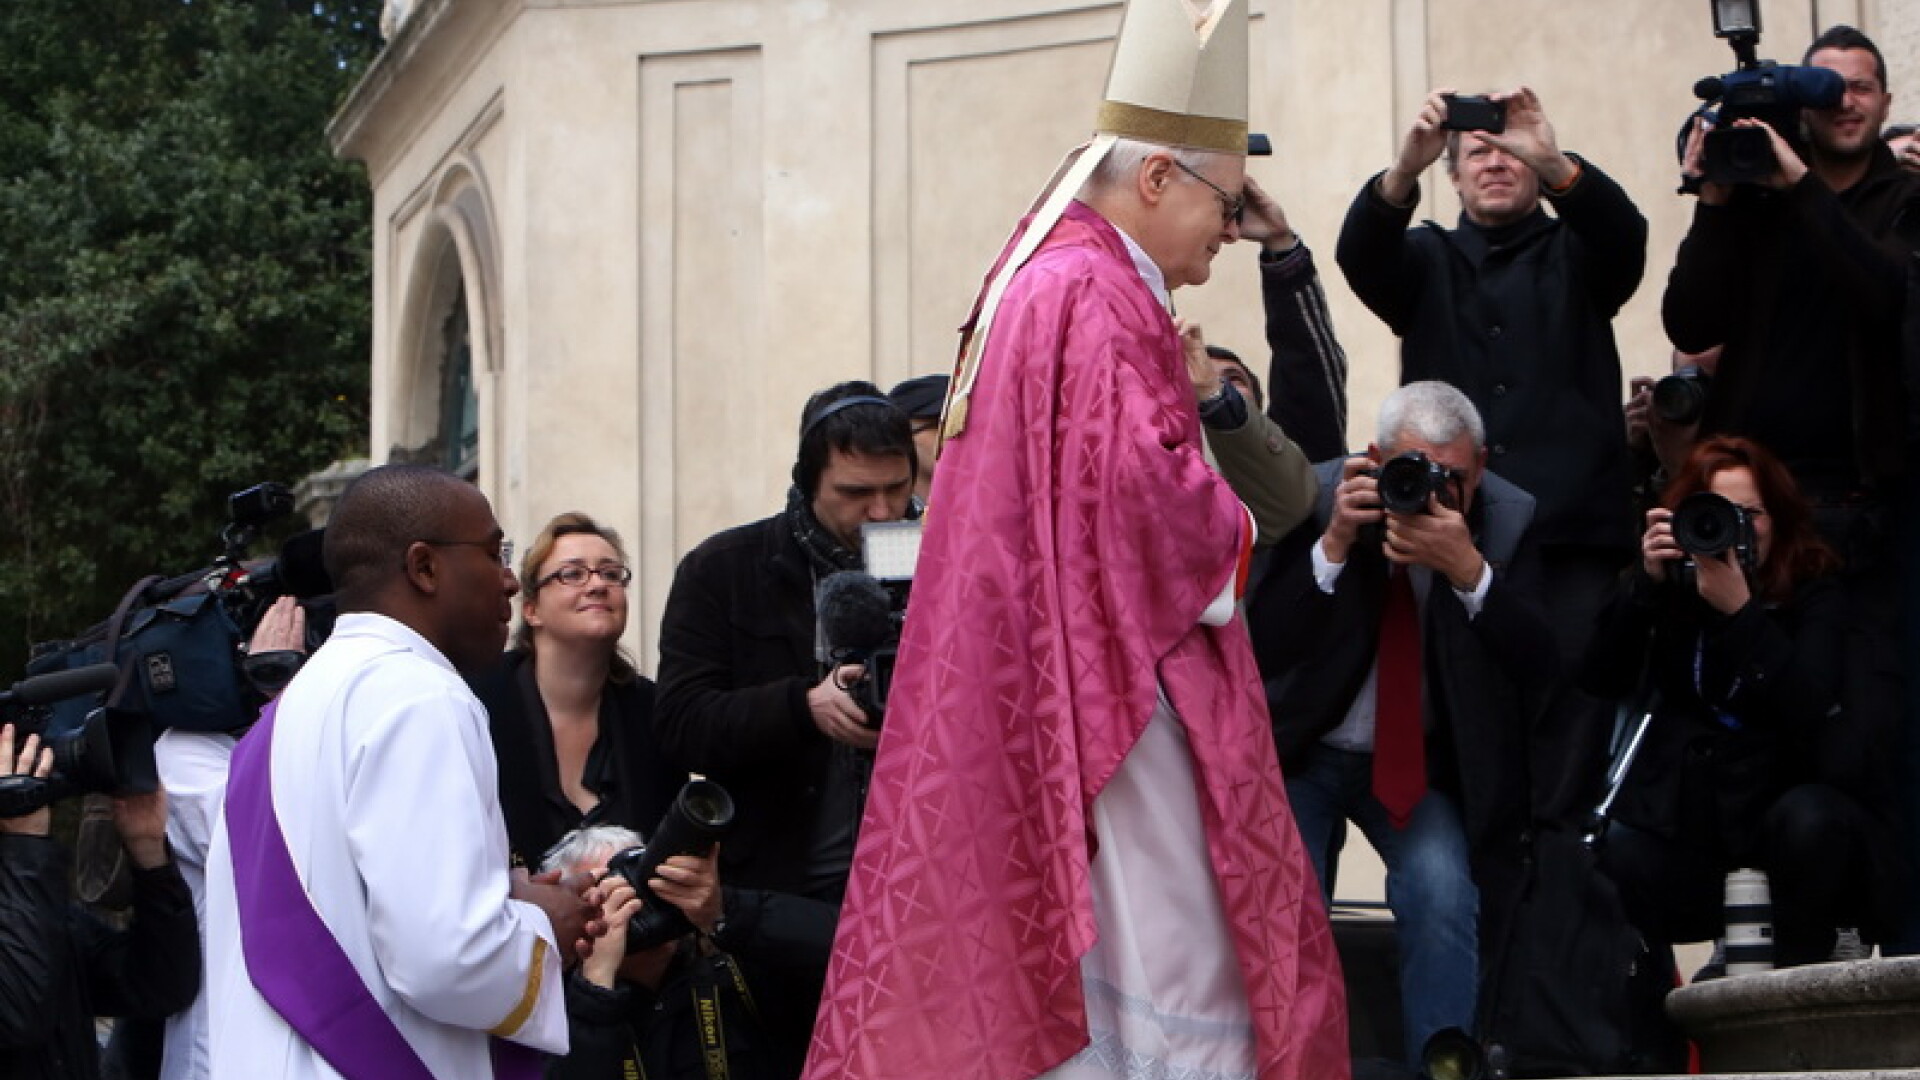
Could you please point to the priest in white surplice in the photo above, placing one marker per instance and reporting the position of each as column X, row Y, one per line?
column 362, row 919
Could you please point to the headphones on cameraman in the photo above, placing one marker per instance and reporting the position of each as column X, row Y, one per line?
column 840, row 406
column 828, row 410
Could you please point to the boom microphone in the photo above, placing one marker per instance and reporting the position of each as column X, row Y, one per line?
column 60, row 685
column 856, row 616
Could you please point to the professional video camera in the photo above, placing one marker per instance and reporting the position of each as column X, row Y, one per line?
column 248, row 587
column 860, row 615
column 1705, row 525
column 110, row 752
column 179, row 642
column 1756, row 89
column 700, row 817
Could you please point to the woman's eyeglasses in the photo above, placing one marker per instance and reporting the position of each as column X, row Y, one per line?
column 574, row 575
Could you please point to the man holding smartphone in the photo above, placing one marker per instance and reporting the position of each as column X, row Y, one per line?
column 1515, row 306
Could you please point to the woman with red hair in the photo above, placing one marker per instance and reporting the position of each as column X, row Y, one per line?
column 1748, row 761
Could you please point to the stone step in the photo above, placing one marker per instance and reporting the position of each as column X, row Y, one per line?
column 1822, row 1020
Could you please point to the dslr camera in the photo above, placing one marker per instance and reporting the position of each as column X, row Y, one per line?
column 1706, row 525
column 1407, row 480
column 700, row 817
column 1681, row 397
column 1404, row 483
column 1756, row 89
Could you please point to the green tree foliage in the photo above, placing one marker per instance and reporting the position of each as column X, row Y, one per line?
column 184, row 283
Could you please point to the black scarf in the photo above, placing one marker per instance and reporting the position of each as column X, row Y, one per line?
column 825, row 552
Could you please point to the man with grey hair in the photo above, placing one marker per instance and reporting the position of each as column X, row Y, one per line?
column 640, row 1012
column 1398, row 643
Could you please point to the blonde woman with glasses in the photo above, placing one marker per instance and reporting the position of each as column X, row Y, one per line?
column 572, row 719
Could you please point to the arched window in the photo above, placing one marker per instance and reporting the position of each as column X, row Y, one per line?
column 458, row 432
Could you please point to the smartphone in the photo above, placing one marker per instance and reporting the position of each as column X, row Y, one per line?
column 1474, row 112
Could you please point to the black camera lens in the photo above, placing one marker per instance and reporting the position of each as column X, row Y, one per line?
column 1407, row 481
column 700, row 817
column 1680, row 398
column 1708, row 524
column 708, row 805
column 1732, row 155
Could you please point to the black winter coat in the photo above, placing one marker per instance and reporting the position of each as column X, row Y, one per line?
column 60, row 966
column 1806, row 289
column 778, row 941
column 736, row 662
column 1520, row 319
column 1773, row 673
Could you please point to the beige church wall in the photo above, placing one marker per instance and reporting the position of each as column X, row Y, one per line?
column 676, row 220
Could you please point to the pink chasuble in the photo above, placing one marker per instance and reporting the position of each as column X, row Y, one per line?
column 1075, row 536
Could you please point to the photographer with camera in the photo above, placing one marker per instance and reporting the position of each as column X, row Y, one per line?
column 61, row 966
column 1663, row 420
column 1401, row 640
column 1515, row 307
column 1729, row 635
column 636, row 1011
column 743, row 697
column 746, row 698
column 1804, row 275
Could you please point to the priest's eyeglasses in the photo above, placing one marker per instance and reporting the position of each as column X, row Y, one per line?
column 1231, row 206
column 573, row 575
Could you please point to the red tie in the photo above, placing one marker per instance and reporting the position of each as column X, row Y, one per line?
column 1399, row 739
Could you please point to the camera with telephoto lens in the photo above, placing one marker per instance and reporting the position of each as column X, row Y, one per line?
column 110, row 751
column 1758, row 90
column 700, row 817
column 1706, row 525
column 1681, row 397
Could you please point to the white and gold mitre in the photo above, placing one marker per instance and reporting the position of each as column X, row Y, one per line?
column 1179, row 78
column 1179, row 75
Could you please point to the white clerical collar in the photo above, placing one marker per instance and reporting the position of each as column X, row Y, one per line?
column 1148, row 271
column 390, row 629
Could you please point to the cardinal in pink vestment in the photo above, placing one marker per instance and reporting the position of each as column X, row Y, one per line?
column 1075, row 537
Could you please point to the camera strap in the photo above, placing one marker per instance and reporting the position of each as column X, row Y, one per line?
column 717, row 969
column 117, row 624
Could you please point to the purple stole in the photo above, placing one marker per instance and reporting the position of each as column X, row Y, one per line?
column 293, row 958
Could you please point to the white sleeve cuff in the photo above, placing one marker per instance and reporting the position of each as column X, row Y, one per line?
column 1475, row 598
column 1326, row 572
